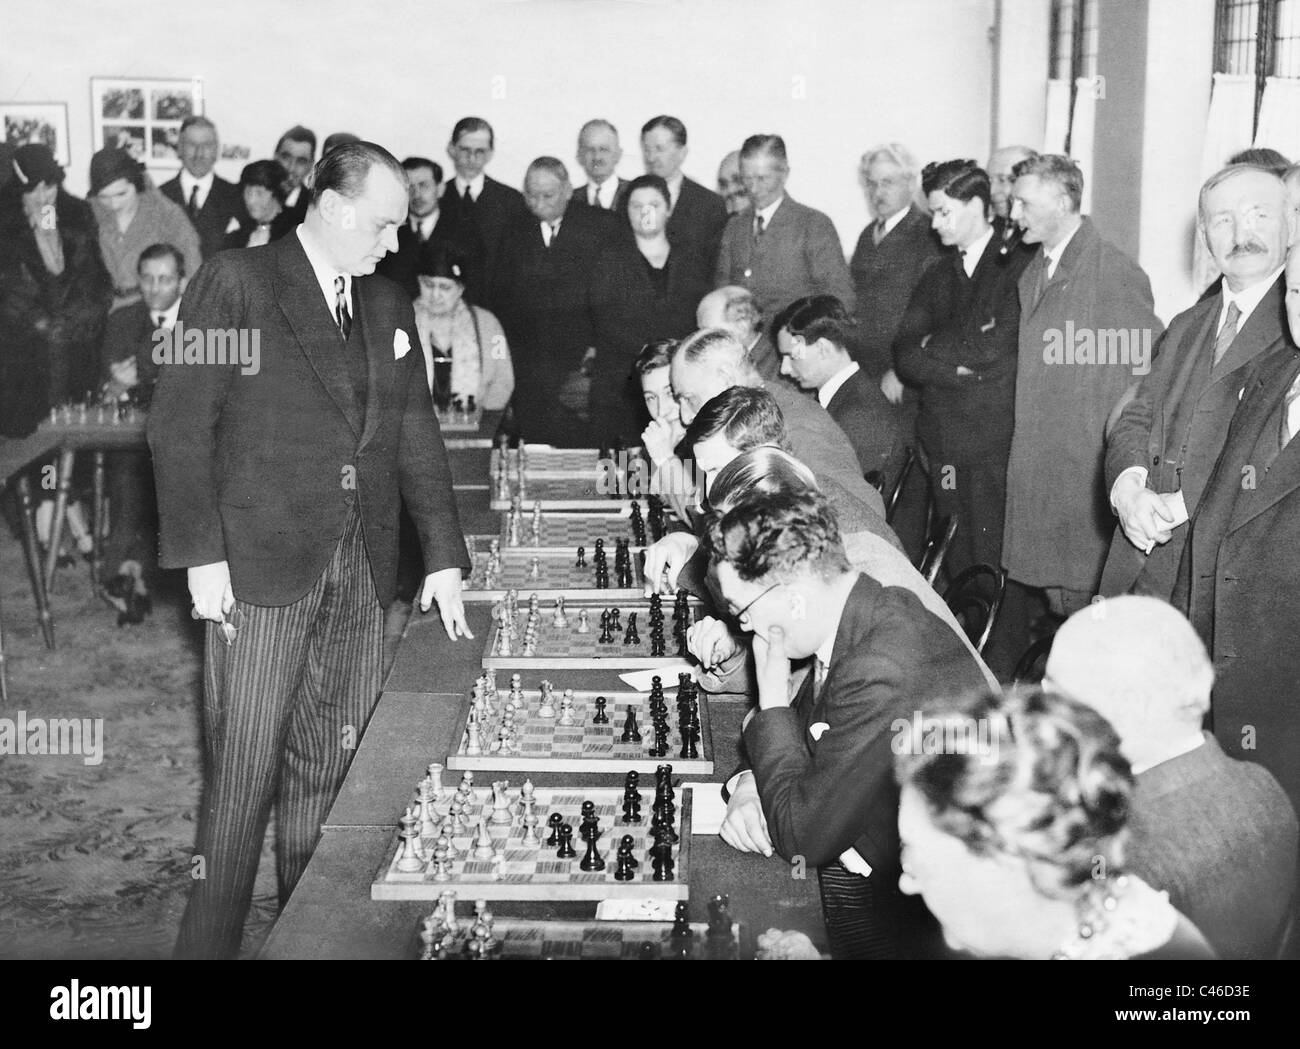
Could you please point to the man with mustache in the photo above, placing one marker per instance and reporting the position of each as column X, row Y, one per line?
column 1164, row 445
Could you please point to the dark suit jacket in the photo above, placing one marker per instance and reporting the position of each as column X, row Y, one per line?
column 1239, row 577
column 1054, row 473
column 817, row 442
column 798, row 254
column 823, row 796
column 620, row 197
column 256, row 469
column 225, row 201
column 973, row 322
column 298, row 212
column 868, row 420
column 884, row 276
column 1220, row 837
column 1176, row 424
column 489, row 220
column 401, row 266
column 129, row 333
column 699, row 215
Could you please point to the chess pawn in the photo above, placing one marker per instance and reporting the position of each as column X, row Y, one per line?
column 516, row 687
column 447, row 905
column 583, row 626
column 535, row 568
column 441, row 863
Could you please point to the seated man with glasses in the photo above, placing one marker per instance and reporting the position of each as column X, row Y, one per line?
column 819, row 787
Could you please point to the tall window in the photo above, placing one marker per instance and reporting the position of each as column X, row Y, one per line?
column 1074, row 44
column 1259, row 38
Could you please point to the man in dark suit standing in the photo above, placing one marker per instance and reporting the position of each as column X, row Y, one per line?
column 1239, row 574
column 812, row 337
column 698, row 214
column 425, row 223
column 296, row 152
column 780, row 249
column 478, row 208
column 819, row 783
column 891, row 255
column 279, row 479
column 1076, row 296
column 598, row 155
column 543, row 283
column 1165, row 443
column 213, row 205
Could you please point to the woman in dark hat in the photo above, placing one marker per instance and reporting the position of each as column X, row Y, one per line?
column 262, row 183
column 132, row 215
column 54, row 293
column 452, row 328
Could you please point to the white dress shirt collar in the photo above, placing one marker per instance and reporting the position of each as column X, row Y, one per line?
column 1246, row 299
column 971, row 256
column 769, row 211
column 602, row 195
column 168, row 315
column 475, row 188
column 1185, row 747
column 550, row 230
column 1053, row 257
column 188, row 182
column 423, row 227
column 325, row 273
column 292, row 199
column 894, row 220
column 827, row 390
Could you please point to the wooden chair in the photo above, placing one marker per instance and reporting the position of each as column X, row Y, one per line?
column 975, row 598
column 1029, row 671
column 936, row 550
column 891, row 500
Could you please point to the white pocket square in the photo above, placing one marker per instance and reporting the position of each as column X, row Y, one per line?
column 401, row 345
column 817, row 729
column 232, row 225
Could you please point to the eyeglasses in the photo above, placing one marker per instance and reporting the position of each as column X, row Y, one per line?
column 740, row 616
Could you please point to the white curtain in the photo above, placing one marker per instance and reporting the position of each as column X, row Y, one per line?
column 1058, row 116
column 1227, row 131
column 1279, row 116
column 1082, row 134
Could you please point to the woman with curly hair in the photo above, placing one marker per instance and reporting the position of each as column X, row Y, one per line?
column 1012, row 821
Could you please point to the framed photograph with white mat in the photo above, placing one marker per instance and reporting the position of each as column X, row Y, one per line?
column 22, row 123
column 144, row 115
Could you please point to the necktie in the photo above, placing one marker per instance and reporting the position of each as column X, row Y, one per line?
column 341, row 312
column 159, row 320
column 1289, row 402
column 595, row 197
column 819, row 677
column 878, row 232
column 550, row 230
column 1044, row 279
column 194, row 201
column 759, row 226
column 1227, row 333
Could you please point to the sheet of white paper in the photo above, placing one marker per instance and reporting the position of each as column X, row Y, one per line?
column 636, row 910
column 707, row 807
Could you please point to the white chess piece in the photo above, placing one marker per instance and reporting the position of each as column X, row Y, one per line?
column 546, row 710
column 501, row 803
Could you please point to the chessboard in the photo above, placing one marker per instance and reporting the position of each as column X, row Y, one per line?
column 566, row 531
column 513, row 938
column 530, row 730
column 451, row 420
column 571, row 492
column 550, row 574
column 544, row 460
column 590, row 636
column 560, row 843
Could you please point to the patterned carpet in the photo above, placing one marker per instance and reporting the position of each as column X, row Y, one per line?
column 95, row 859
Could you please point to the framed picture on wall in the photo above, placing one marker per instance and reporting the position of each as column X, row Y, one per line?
column 22, row 123
column 143, row 115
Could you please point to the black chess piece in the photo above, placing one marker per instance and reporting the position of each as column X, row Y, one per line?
column 592, row 861
column 614, row 622
column 631, row 731
column 628, row 842
column 625, row 870
column 681, row 941
column 566, row 850
column 588, row 818
column 555, row 822
column 600, row 717
column 720, row 941
column 631, row 637
column 605, row 636
column 657, row 642
column 631, row 807
column 582, row 558
column 661, row 858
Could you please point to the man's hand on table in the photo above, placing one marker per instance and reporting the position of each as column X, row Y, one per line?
column 444, row 588
column 711, row 642
column 671, row 554
column 744, row 827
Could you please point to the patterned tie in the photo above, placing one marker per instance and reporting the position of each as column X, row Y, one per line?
column 341, row 312
column 194, row 202
column 1227, row 333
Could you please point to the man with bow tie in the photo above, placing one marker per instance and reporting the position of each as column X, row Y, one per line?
column 819, row 785
column 278, row 491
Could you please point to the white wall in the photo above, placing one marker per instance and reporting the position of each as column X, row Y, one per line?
column 1022, row 59
column 832, row 76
